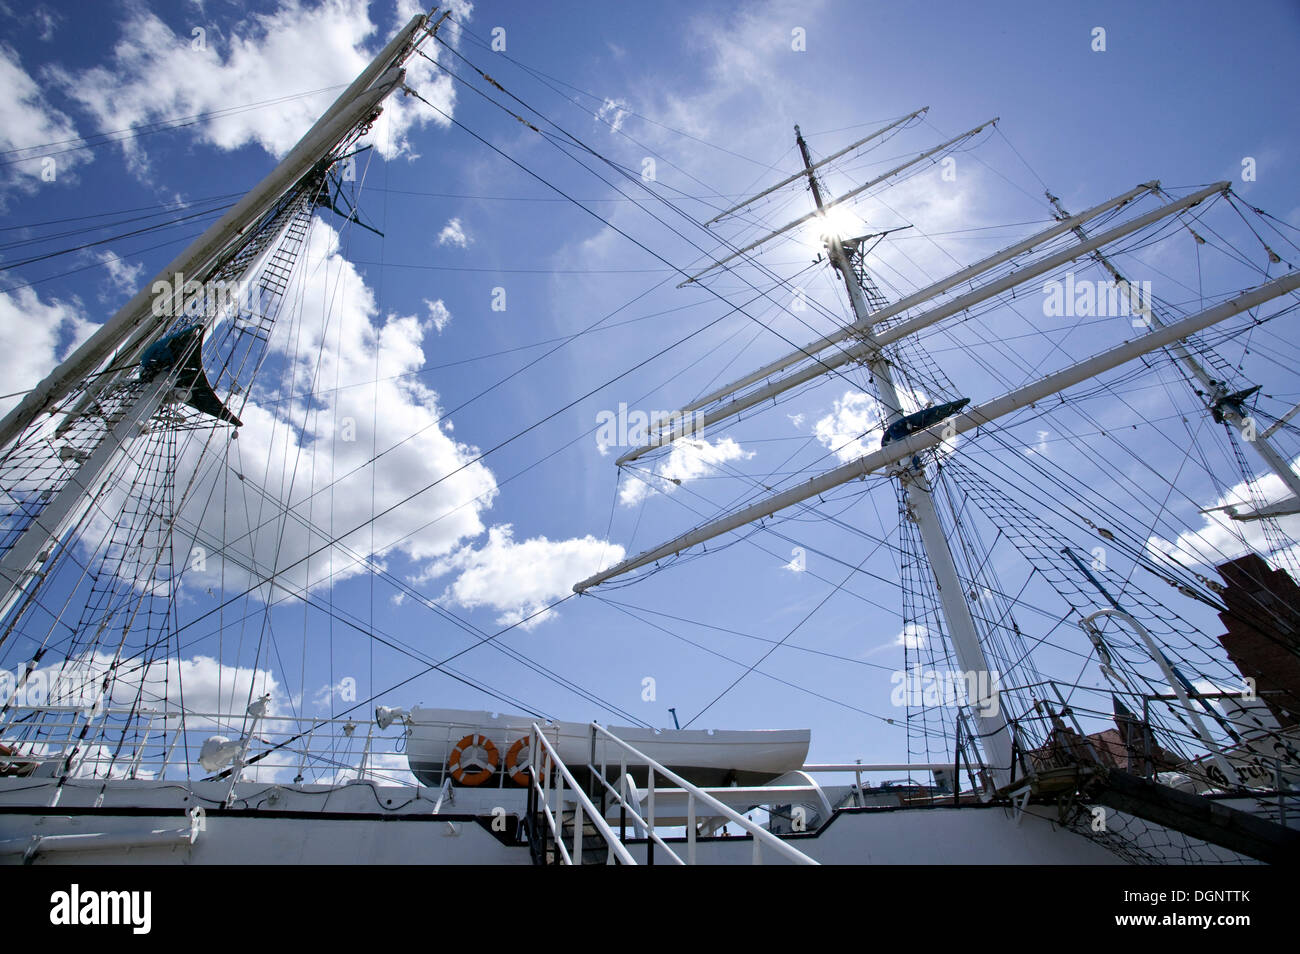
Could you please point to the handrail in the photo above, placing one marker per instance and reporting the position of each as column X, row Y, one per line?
column 761, row 835
column 641, row 823
column 616, row 848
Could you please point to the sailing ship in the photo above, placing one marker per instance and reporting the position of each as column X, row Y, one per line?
column 1181, row 748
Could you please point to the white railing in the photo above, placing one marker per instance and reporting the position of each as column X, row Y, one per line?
column 633, row 802
column 547, row 768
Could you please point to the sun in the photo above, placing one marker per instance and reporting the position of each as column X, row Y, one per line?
column 837, row 222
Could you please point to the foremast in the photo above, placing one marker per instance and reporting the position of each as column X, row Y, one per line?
column 104, row 379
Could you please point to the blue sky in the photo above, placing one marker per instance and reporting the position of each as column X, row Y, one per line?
column 1182, row 92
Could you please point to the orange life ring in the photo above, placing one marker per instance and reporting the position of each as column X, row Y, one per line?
column 519, row 773
column 458, row 771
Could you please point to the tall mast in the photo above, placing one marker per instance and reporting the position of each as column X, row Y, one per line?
column 924, row 319
column 356, row 104
column 1216, row 395
column 995, row 737
column 908, row 436
column 124, row 401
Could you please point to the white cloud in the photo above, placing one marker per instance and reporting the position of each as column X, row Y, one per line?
column 383, row 768
column 519, row 579
column 39, row 18
column 745, row 50
column 314, row 458
column 34, row 336
column 854, row 427
column 123, row 277
column 207, row 689
column 909, row 260
column 439, row 315
column 1221, row 538
column 613, row 112
column 47, row 21
column 913, row 636
column 688, row 459
column 204, row 686
column 1040, row 447
column 453, row 234
column 320, row 476
column 27, row 119
column 156, row 74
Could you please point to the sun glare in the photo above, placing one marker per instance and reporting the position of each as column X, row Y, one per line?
column 836, row 221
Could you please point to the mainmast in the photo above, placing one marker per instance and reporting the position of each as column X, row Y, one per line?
column 995, row 736
column 909, row 436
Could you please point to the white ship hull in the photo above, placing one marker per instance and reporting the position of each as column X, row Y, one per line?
column 152, row 823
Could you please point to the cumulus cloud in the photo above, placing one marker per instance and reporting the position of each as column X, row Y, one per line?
column 453, row 233
column 439, row 315
column 343, row 462
column 855, row 426
column 384, row 768
column 1221, row 538
column 198, row 684
column 687, row 460
column 122, row 276
column 338, row 389
column 34, row 336
column 213, row 697
column 28, row 120
column 156, row 74
column 520, row 579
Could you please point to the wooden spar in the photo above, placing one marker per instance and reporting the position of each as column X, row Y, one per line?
column 844, row 198
column 930, row 291
column 831, row 158
column 974, row 418
column 355, row 106
column 934, row 315
column 1218, row 391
